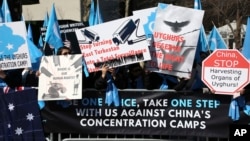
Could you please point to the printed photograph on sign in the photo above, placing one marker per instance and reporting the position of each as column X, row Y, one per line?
column 14, row 52
column 60, row 78
column 115, row 43
column 175, row 36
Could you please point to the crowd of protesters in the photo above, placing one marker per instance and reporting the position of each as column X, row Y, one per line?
column 132, row 76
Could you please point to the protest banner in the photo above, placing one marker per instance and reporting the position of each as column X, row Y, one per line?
column 175, row 35
column 14, row 52
column 61, row 77
column 143, row 113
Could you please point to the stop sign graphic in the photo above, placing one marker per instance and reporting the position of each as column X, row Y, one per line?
column 225, row 71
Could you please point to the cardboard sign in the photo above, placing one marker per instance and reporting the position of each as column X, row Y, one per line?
column 175, row 37
column 14, row 52
column 61, row 77
column 115, row 43
column 225, row 71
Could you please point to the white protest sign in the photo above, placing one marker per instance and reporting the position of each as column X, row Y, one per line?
column 225, row 71
column 60, row 78
column 115, row 43
column 175, row 37
column 14, row 52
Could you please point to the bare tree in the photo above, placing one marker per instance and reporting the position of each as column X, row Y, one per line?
column 85, row 9
column 127, row 3
column 217, row 12
column 224, row 12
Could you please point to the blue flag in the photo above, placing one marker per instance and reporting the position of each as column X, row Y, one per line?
column 22, row 18
column 197, row 4
column 98, row 15
column 2, row 83
column 95, row 16
column 9, row 40
column 35, row 54
column 202, row 45
column 202, row 42
column 92, row 13
column 246, row 53
column 45, row 24
column 29, row 33
column 20, row 117
column 6, row 12
column 53, row 35
column 247, row 110
column 215, row 41
column 246, row 45
column 111, row 93
column 235, row 106
column 234, row 110
column 164, row 85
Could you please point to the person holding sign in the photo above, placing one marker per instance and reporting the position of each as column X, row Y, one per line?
column 245, row 90
column 63, row 51
column 111, row 79
column 7, row 77
column 155, row 80
column 20, row 77
column 193, row 83
column 135, row 79
column 116, row 74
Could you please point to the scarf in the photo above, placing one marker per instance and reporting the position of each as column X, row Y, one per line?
column 139, row 83
column 111, row 92
column 165, row 77
column 164, row 85
column 85, row 70
column 235, row 106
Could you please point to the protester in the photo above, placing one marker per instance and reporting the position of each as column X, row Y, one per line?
column 20, row 77
column 245, row 90
column 87, row 81
column 194, row 83
column 63, row 51
column 185, row 84
column 155, row 80
column 7, row 77
column 135, row 76
column 115, row 74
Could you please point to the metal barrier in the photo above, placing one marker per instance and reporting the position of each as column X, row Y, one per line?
column 88, row 137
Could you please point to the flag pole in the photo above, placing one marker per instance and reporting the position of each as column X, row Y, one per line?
column 44, row 45
column 98, row 14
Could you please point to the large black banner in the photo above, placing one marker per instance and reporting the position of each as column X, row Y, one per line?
column 144, row 113
column 68, row 35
